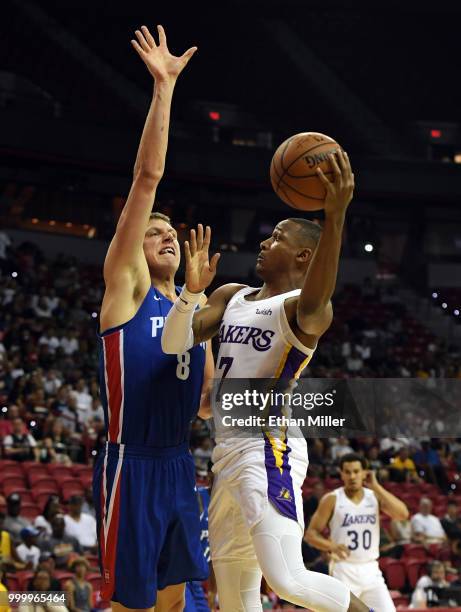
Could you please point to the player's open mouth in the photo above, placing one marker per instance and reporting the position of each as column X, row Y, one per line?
column 260, row 257
column 167, row 251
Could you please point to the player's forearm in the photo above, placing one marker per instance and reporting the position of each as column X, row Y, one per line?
column 150, row 159
column 391, row 505
column 177, row 334
column 316, row 540
column 320, row 281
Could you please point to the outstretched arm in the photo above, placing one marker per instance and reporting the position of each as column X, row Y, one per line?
column 125, row 263
column 314, row 311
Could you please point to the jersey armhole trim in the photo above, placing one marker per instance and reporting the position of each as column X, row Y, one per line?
column 289, row 334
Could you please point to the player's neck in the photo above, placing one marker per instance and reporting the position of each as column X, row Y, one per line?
column 164, row 284
column 277, row 286
column 355, row 496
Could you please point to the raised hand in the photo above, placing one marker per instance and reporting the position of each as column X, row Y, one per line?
column 199, row 270
column 340, row 191
column 162, row 65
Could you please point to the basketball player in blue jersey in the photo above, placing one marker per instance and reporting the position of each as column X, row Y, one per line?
column 147, row 511
column 266, row 332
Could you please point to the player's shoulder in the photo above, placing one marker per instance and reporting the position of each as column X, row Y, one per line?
column 329, row 499
column 226, row 292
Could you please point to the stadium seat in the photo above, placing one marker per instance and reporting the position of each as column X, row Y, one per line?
column 79, row 470
column 36, row 476
column 16, row 488
column 30, row 510
column 414, row 568
column 23, row 578
column 41, row 497
column 56, row 470
column 46, row 483
column 43, row 491
column 394, row 572
column 415, row 551
column 63, row 577
column 12, row 582
column 95, row 579
column 11, row 471
column 74, row 488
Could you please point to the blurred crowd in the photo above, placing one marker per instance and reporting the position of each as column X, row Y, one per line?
column 52, row 414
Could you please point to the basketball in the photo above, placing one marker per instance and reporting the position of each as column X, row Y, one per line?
column 294, row 169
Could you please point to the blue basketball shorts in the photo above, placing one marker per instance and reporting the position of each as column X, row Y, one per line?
column 148, row 522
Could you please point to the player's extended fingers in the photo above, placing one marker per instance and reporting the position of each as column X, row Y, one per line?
column 199, row 237
column 325, row 180
column 335, row 167
column 161, row 36
column 341, row 161
column 142, row 41
column 207, row 237
column 148, row 36
column 193, row 242
column 188, row 54
column 214, row 262
column 138, row 49
column 187, row 252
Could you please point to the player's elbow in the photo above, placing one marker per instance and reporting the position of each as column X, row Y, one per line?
column 403, row 514
column 309, row 536
column 147, row 177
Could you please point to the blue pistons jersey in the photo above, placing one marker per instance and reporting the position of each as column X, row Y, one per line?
column 149, row 397
column 144, row 483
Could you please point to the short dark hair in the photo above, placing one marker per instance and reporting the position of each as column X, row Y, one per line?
column 159, row 215
column 309, row 232
column 349, row 457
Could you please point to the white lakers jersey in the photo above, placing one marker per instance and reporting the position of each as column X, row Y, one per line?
column 256, row 341
column 356, row 526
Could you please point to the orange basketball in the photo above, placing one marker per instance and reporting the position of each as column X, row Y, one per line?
column 294, row 169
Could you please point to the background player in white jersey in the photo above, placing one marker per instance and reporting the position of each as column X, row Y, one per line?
column 352, row 515
column 256, row 519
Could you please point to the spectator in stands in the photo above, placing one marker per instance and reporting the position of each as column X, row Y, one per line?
column 423, row 597
column 451, row 522
column 60, row 443
column 88, row 504
column 401, row 531
column 340, row 447
column 43, row 522
column 49, row 338
column 69, row 342
column 426, row 528
column 59, row 544
column 310, row 505
column 83, row 400
column 47, row 562
column 42, row 309
column 8, row 555
column 403, row 468
column 19, row 445
column 28, row 551
column 428, row 459
column 79, row 589
column 14, row 522
column 41, row 581
column 81, row 526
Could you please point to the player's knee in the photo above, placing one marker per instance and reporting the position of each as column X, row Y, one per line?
column 283, row 584
column 174, row 603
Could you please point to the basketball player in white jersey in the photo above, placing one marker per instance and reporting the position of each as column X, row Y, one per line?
column 352, row 515
column 256, row 517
